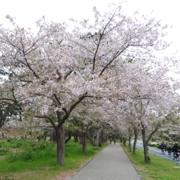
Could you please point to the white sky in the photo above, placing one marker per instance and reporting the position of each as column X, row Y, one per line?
column 27, row 12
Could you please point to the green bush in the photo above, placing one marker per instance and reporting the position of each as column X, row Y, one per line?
column 39, row 145
column 17, row 145
column 14, row 143
column 153, row 144
column 9, row 140
column 23, row 156
column 3, row 151
column 34, row 153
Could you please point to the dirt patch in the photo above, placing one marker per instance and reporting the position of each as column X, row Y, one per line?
column 65, row 175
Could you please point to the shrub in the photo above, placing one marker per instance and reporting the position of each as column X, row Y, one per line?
column 3, row 151
column 37, row 151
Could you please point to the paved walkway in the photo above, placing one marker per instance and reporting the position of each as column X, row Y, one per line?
column 110, row 164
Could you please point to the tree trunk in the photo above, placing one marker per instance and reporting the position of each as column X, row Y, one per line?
column 75, row 137
column 84, row 142
column 101, row 139
column 129, row 144
column 60, row 139
column 98, row 134
column 53, row 136
column 91, row 139
column 80, row 139
column 135, row 141
column 145, row 146
column 121, row 139
column 68, row 138
column 124, row 141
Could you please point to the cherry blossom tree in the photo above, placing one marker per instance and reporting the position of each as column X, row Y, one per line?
column 53, row 71
column 149, row 99
column 142, row 99
column 40, row 80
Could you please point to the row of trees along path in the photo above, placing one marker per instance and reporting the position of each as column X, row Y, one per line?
column 104, row 74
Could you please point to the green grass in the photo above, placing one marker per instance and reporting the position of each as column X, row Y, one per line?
column 13, row 143
column 38, row 161
column 157, row 169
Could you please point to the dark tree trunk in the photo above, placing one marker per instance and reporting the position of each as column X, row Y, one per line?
column 84, row 142
column 91, row 139
column 145, row 146
column 60, row 139
column 68, row 138
column 53, row 136
column 135, row 140
column 98, row 136
column 124, row 141
column 121, row 139
column 75, row 137
column 101, row 139
column 129, row 144
column 20, row 115
column 80, row 139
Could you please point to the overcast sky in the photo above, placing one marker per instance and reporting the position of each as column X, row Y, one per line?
column 28, row 12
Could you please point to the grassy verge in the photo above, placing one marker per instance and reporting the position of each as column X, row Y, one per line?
column 157, row 169
column 39, row 162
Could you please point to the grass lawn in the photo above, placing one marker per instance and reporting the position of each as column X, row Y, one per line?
column 157, row 169
column 39, row 162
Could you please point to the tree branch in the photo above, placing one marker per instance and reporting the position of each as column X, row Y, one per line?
column 157, row 127
column 68, row 112
column 114, row 57
column 57, row 99
column 65, row 77
column 46, row 117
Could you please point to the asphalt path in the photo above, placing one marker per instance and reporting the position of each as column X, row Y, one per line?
column 157, row 152
column 110, row 164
